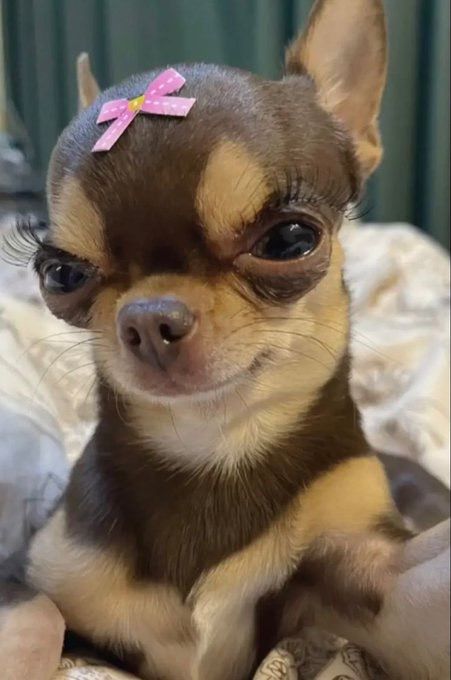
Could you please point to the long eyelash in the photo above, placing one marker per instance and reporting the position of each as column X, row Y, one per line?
column 22, row 244
column 293, row 187
column 358, row 210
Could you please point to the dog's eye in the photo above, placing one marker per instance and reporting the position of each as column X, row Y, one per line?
column 62, row 277
column 287, row 241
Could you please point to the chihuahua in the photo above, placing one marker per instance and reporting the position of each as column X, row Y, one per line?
column 228, row 496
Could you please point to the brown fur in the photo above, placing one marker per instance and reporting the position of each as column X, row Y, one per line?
column 232, row 192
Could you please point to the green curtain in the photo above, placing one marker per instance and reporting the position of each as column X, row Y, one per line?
column 43, row 37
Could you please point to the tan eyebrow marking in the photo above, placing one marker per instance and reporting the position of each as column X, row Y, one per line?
column 77, row 227
column 232, row 190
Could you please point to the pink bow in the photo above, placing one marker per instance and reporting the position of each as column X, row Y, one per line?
column 123, row 111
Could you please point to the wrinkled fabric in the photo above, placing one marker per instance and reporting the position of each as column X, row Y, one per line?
column 400, row 285
column 399, row 281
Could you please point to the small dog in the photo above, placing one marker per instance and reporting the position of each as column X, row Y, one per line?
column 228, row 495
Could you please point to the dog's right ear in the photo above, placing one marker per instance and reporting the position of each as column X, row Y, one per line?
column 88, row 88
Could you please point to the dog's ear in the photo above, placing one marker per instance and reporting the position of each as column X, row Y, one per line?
column 88, row 88
column 344, row 50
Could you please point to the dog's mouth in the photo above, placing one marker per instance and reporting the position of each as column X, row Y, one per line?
column 164, row 386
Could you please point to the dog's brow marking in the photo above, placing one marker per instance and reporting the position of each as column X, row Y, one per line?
column 77, row 227
column 232, row 190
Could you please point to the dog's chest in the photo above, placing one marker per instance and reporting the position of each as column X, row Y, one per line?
column 218, row 643
column 220, row 638
column 210, row 635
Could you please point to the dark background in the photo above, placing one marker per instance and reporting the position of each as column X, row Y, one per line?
column 41, row 39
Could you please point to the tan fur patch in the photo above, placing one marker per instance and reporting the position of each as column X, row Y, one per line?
column 77, row 227
column 232, row 190
column 333, row 503
column 97, row 599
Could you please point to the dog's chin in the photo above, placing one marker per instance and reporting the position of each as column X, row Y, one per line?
column 167, row 390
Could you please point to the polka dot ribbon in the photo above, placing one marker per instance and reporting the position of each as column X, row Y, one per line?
column 154, row 100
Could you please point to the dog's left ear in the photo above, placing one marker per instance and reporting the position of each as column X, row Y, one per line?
column 88, row 88
column 344, row 50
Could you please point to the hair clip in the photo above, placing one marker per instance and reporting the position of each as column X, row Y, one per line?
column 154, row 100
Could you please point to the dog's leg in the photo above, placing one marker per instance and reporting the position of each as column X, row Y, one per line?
column 31, row 634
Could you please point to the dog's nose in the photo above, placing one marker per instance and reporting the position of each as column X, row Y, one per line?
column 155, row 329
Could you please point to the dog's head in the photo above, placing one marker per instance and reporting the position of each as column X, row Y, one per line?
column 203, row 251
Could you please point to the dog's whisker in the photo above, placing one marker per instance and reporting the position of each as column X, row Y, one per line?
column 50, row 339
column 117, row 407
column 73, row 370
column 63, row 353
column 92, row 385
column 176, row 432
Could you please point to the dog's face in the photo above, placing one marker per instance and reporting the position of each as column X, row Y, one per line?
column 203, row 252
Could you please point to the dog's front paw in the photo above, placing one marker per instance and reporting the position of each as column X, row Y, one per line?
column 31, row 639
